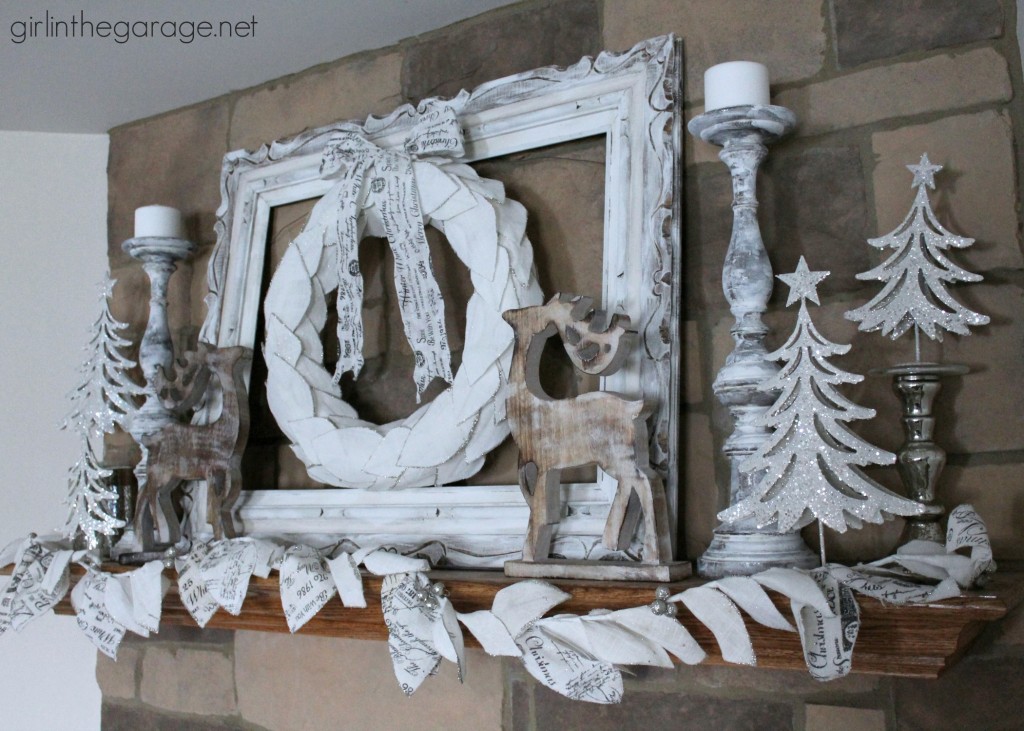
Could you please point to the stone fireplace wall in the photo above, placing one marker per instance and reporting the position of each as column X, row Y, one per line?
column 874, row 85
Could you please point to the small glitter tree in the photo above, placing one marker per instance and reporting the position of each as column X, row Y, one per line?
column 917, row 274
column 812, row 461
column 101, row 402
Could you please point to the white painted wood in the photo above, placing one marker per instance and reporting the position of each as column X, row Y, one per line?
column 630, row 98
column 742, row 548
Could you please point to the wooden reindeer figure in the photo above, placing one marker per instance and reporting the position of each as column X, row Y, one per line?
column 598, row 427
column 183, row 451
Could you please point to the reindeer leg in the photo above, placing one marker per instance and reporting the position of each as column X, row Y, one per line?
column 146, row 522
column 165, row 498
column 214, row 501
column 145, row 499
column 624, row 514
column 143, row 508
column 544, row 497
column 231, row 492
column 657, row 542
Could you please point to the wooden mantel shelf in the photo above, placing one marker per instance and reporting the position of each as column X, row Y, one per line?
column 913, row 641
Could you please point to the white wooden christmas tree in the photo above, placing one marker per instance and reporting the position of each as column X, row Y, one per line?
column 918, row 273
column 812, row 461
column 102, row 401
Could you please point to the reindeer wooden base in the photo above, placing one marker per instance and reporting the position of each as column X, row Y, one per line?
column 595, row 428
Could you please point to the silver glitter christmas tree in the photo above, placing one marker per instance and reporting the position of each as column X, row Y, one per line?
column 103, row 399
column 812, row 461
column 90, row 499
column 101, row 402
column 918, row 273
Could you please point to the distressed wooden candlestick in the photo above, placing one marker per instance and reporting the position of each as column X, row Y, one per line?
column 742, row 548
column 159, row 256
column 920, row 460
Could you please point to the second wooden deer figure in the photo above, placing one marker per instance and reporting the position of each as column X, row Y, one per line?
column 599, row 428
column 212, row 452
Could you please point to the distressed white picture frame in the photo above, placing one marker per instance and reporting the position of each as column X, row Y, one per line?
column 631, row 99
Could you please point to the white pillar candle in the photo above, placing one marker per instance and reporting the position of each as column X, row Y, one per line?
column 734, row 84
column 162, row 221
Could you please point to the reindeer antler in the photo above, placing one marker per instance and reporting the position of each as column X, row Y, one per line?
column 183, row 390
column 601, row 348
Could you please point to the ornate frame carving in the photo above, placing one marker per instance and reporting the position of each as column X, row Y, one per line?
column 630, row 98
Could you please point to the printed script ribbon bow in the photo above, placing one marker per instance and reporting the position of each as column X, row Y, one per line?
column 381, row 184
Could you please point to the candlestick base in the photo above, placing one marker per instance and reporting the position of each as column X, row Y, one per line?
column 744, row 554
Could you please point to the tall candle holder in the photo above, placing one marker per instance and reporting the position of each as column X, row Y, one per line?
column 159, row 256
column 743, row 133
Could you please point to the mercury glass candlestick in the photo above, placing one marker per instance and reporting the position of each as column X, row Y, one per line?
column 159, row 256
column 920, row 460
column 743, row 133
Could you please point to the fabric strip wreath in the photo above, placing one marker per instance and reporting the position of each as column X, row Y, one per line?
column 384, row 192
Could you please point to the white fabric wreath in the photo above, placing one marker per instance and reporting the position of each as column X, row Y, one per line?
column 445, row 440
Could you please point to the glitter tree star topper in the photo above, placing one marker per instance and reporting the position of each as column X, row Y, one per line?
column 811, row 463
column 918, row 273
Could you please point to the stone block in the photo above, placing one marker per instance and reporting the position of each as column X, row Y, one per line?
column 291, row 472
column 780, row 685
column 975, row 193
column 281, row 680
column 831, row 718
column 501, row 466
column 120, row 450
column 938, row 83
column 117, row 679
column 563, row 190
column 188, row 680
column 695, row 150
column 661, row 710
column 1011, row 629
column 693, row 376
column 179, row 297
column 984, row 410
column 978, row 693
column 701, row 498
column 722, row 342
column 173, row 160
column 128, row 717
column 452, row 279
column 179, row 634
column 708, row 227
column 199, row 286
column 814, row 203
column 498, row 44
column 519, row 706
column 866, row 31
column 130, row 303
column 997, row 493
column 351, row 88
column 788, row 37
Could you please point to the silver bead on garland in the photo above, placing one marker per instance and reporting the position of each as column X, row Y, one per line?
column 661, row 605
